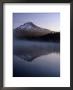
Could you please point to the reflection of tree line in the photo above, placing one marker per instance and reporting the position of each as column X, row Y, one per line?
column 54, row 37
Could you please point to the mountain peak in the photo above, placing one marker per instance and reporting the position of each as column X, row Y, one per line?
column 27, row 26
column 30, row 29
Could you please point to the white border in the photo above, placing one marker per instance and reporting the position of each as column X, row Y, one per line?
column 64, row 79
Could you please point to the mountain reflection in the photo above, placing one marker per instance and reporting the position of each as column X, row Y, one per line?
column 29, row 50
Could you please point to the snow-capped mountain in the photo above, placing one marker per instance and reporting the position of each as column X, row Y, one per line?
column 29, row 29
column 26, row 26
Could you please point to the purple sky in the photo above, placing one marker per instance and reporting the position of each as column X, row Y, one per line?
column 45, row 20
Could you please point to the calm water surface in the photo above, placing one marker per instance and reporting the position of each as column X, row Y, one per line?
column 36, row 59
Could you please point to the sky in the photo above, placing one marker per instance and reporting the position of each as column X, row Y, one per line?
column 49, row 21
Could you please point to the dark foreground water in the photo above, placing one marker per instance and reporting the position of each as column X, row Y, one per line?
column 36, row 59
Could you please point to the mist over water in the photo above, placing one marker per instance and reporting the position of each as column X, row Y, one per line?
column 36, row 58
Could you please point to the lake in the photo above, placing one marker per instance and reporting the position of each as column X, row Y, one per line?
column 36, row 58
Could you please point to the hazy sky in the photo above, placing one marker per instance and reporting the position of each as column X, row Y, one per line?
column 45, row 20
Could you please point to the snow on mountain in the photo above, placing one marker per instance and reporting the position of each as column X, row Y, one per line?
column 29, row 29
column 26, row 26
